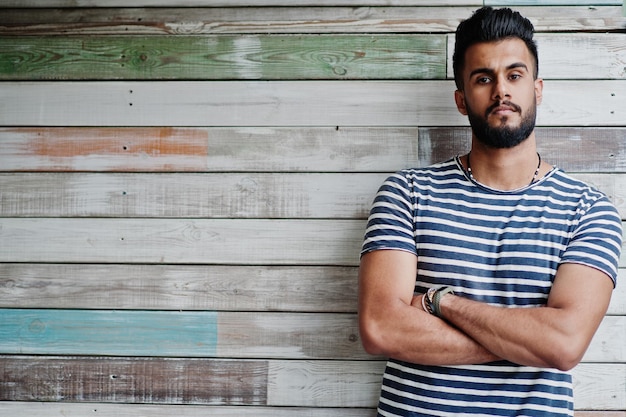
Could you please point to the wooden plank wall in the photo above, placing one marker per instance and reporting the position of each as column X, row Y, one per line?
column 184, row 186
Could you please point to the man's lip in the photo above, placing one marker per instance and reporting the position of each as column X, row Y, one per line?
column 503, row 109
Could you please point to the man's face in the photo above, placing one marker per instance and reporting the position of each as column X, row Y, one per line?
column 500, row 95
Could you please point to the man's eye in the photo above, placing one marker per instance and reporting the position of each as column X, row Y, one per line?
column 483, row 80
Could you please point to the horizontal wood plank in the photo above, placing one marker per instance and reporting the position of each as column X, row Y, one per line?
column 184, row 241
column 134, row 380
column 193, row 287
column 183, row 287
column 285, row 103
column 226, row 57
column 201, row 381
column 211, row 334
column 283, row 57
column 338, row 196
column 285, row 195
column 249, row 20
column 580, row 150
column 604, row 56
column 48, row 409
column 231, row 3
column 181, row 334
column 253, row 149
column 276, row 149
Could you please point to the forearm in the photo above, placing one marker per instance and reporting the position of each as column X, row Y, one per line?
column 408, row 333
column 536, row 336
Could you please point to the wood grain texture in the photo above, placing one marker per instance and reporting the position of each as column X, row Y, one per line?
column 292, row 383
column 47, row 409
column 184, row 287
column 226, row 57
column 133, row 380
column 194, row 287
column 283, row 149
column 286, row 103
column 284, row 195
column 592, row 149
column 208, row 334
column 274, row 196
column 184, row 241
column 427, row 18
column 213, row 149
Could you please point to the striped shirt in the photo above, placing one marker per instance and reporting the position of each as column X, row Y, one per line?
column 498, row 247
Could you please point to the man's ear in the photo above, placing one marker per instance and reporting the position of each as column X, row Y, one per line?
column 539, row 90
column 459, row 99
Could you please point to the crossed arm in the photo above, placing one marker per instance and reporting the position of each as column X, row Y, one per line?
column 393, row 323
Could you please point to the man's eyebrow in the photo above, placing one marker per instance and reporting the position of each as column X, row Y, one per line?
column 491, row 71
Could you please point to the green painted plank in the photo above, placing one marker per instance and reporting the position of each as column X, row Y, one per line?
column 228, row 57
column 134, row 333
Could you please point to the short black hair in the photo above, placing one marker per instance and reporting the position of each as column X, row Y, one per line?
column 490, row 25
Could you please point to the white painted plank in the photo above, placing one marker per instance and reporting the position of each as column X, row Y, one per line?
column 285, row 103
column 180, row 287
column 194, row 287
column 189, row 195
column 357, row 384
column 43, row 409
column 226, row 195
column 181, row 241
column 239, row 149
column 232, row 3
column 574, row 56
column 334, row 19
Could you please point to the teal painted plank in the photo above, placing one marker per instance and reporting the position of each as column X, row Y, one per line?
column 85, row 332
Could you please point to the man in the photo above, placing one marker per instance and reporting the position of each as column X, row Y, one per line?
column 484, row 278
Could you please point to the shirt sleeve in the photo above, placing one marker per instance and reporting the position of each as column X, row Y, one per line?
column 390, row 223
column 597, row 241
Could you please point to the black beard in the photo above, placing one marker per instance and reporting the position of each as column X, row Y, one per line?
column 502, row 137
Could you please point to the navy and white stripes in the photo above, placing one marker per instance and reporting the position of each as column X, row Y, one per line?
column 496, row 247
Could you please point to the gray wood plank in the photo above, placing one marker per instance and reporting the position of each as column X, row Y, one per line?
column 313, row 19
column 286, row 103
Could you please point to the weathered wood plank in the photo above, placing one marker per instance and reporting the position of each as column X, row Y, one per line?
column 198, row 381
column 275, row 149
column 193, row 287
column 181, row 241
column 593, row 56
column 510, row 3
column 224, row 334
column 210, row 334
column 134, row 380
column 248, row 20
column 592, row 149
column 181, row 334
column 48, row 409
column 305, row 149
column 231, row 3
column 284, row 195
column 227, row 57
column 283, row 57
column 285, row 103
column 98, row 332
column 183, row 287
column 184, row 241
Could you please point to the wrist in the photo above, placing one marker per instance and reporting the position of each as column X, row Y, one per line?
column 431, row 301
